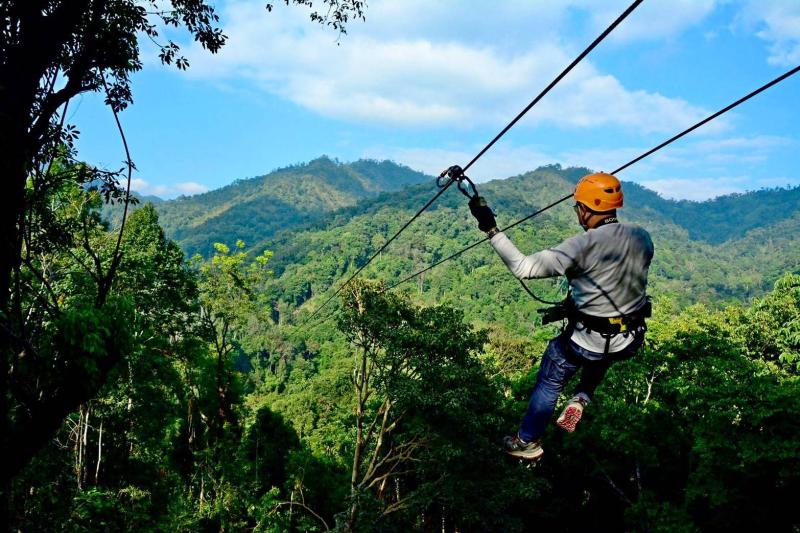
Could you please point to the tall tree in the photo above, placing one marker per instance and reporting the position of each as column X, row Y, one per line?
column 424, row 416
column 50, row 52
column 229, row 288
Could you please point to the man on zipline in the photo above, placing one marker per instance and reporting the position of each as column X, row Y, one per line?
column 607, row 271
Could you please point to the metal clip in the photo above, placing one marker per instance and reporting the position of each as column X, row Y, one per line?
column 455, row 173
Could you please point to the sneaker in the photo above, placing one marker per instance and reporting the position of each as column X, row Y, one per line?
column 571, row 414
column 516, row 447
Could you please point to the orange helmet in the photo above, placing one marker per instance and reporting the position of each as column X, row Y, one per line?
column 599, row 192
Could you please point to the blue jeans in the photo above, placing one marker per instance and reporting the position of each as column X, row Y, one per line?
column 560, row 361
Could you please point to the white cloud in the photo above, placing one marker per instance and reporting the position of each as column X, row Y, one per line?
column 605, row 160
column 778, row 23
column 699, row 188
column 699, row 154
column 601, row 100
column 397, row 69
column 167, row 191
column 652, row 21
column 720, row 156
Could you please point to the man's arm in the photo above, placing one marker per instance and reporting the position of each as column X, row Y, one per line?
column 547, row 263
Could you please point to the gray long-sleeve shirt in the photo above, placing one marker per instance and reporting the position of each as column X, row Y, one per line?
column 606, row 267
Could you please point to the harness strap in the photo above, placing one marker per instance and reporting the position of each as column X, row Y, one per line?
column 613, row 325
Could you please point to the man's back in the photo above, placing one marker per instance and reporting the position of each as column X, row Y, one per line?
column 609, row 275
column 606, row 266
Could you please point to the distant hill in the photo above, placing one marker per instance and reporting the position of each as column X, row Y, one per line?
column 254, row 209
column 720, row 250
column 324, row 218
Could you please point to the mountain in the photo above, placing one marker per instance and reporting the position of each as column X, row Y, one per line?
column 727, row 249
column 323, row 219
column 254, row 209
column 723, row 218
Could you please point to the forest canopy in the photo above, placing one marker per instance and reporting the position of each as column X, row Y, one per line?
column 163, row 368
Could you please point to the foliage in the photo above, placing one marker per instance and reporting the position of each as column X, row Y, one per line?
column 222, row 414
column 203, row 406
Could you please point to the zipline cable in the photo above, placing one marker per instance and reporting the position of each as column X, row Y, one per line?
column 474, row 244
column 381, row 249
column 511, row 124
column 553, row 83
column 616, row 171
column 710, row 118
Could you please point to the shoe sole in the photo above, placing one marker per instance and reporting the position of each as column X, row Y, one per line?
column 527, row 456
column 569, row 420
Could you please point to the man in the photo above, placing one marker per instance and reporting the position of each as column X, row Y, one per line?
column 607, row 271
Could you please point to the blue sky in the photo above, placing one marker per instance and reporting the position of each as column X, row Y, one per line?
column 427, row 84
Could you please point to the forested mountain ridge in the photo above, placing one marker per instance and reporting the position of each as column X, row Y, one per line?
column 695, row 261
column 325, row 194
column 253, row 209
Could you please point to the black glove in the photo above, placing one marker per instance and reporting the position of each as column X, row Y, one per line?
column 482, row 212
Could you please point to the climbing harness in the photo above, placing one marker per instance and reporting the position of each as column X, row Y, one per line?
column 611, row 325
column 458, row 176
column 608, row 327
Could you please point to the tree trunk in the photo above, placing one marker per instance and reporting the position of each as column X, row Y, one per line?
column 79, row 449
column 99, row 454
column 84, row 448
column 12, row 177
column 359, row 381
column 226, row 412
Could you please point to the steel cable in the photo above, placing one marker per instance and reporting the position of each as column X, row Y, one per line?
column 616, row 171
column 491, row 143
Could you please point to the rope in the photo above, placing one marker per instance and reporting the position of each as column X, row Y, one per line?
column 533, row 295
column 558, row 78
column 474, row 244
column 381, row 249
column 511, row 124
column 616, row 171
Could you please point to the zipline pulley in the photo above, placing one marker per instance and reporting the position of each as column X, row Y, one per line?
column 456, row 173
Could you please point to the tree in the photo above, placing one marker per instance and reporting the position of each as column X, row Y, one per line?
column 425, row 416
column 50, row 52
column 116, row 435
column 229, row 288
column 69, row 330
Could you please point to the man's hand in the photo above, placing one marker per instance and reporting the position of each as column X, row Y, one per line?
column 482, row 213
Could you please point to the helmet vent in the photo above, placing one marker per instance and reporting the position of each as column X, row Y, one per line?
column 609, row 191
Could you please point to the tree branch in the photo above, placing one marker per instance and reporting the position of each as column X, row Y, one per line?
column 116, row 257
column 307, row 508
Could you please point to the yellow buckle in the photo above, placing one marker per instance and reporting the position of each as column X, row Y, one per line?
column 619, row 322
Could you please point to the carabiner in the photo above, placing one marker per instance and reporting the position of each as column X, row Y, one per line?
column 465, row 190
column 455, row 173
